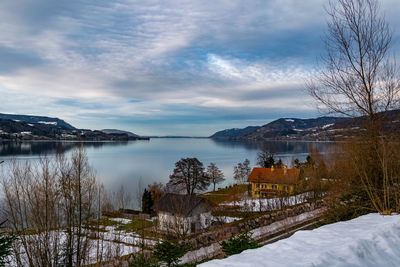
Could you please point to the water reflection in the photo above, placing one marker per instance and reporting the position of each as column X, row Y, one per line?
column 134, row 162
column 49, row 147
column 279, row 147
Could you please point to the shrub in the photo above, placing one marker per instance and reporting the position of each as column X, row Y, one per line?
column 169, row 252
column 141, row 260
column 6, row 241
column 237, row 244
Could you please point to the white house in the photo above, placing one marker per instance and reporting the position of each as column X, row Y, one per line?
column 183, row 214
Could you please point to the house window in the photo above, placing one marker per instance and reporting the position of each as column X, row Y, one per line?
column 274, row 186
column 286, row 188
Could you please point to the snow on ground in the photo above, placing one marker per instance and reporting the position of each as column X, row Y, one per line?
column 369, row 241
column 287, row 222
column 226, row 219
column 48, row 122
column 268, row 204
column 111, row 243
column 97, row 249
column 258, row 233
column 120, row 220
column 113, row 234
column 201, row 253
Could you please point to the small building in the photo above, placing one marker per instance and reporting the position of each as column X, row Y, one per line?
column 183, row 214
column 266, row 182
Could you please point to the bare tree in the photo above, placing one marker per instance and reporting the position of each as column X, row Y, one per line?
column 215, row 175
column 360, row 77
column 83, row 192
column 189, row 175
column 48, row 205
column 138, row 192
column 123, row 198
column 157, row 190
column 242, row 171
column 265, row 159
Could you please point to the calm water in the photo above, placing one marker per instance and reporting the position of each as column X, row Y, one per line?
column 128, row 163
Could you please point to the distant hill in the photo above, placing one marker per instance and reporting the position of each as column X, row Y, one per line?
column 28, row 127
column 37, row 120
column 235, row 133
column 115, row 131
column 322, row 128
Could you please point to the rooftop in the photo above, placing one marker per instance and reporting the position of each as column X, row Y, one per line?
column 274, row 175
column 180, row 204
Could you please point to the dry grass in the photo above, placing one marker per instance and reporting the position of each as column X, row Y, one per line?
column 227, row 194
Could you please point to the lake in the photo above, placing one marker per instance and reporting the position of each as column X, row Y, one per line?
column 127, row 163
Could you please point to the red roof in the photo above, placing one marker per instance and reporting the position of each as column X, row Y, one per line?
column 274, row 175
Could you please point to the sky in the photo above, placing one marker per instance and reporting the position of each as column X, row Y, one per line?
column 163, row 67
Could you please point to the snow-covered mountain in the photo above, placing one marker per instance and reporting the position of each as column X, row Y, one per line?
column 322, row 128
column 28, row 127
column 38, row 120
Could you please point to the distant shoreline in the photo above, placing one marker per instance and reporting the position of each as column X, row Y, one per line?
column 188, row 137
column 168, row 137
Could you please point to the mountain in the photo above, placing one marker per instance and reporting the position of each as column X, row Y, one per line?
column 28, row 127
column 235, row 133
column 322, row 128
column 115, row 131
column 293, row 128
column 37, row 120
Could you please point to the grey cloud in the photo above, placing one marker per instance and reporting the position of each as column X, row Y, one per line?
column 12, row 60
column 150, row 58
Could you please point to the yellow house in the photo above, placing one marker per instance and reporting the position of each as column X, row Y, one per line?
column 267, row 182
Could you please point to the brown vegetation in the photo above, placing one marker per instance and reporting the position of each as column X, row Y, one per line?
column 360, row 78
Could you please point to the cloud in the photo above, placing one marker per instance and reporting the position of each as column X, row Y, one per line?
column 161, row 66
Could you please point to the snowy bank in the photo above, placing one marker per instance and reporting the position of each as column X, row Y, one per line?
column 269, row 204
column 369, row 241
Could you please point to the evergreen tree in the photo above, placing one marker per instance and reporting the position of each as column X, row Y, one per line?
column 237, row 244
column 296, row 163
column 140, row 260
column 147, row 202
column 309, row 161
column 169, row 252
column 5, row 246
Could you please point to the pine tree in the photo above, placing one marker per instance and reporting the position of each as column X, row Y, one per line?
column 237, row 244
column 5, row 246
column 147, row 202
column 169, row 252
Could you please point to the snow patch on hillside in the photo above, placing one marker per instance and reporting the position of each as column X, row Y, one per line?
column 327, row 126
column 48, row 122
column 369, row 241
